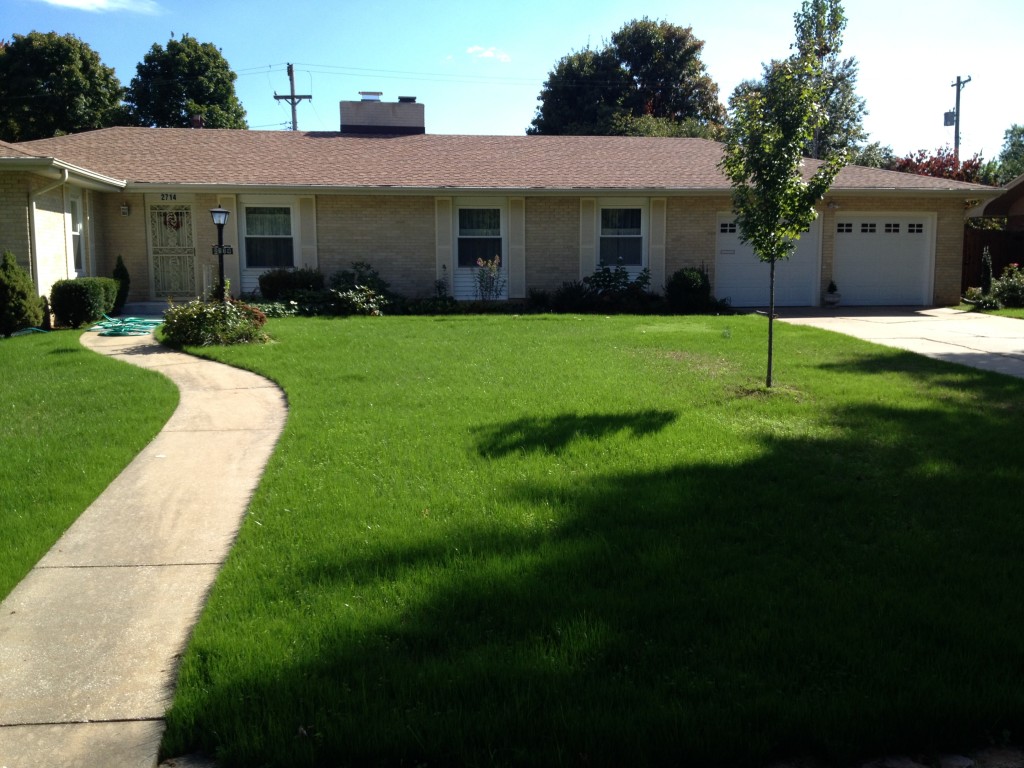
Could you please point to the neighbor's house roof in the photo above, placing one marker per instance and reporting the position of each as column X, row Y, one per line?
column 1009, row 202
column 318, row 161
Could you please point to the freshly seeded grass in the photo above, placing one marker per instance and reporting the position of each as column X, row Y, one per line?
column 72, row 420
column 558, row 540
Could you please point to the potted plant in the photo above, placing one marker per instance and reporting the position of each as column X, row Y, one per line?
column 832, row 295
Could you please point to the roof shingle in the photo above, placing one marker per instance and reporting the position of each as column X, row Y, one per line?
column 235, row 158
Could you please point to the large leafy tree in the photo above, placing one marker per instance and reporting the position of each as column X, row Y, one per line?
column 944, row 164
column 1011, row 159
column 184, row 79
column 52, row 84
column 819, row 28
column 648, row 80
column 774, row 195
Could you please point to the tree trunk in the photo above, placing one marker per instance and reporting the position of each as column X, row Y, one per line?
column 771, row 321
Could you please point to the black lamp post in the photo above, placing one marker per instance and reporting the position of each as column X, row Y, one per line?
column 220, row 218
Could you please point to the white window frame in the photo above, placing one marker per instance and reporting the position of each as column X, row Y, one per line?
column 645, row 227
column 464, row 278
column 292, row 204
column 78, row 234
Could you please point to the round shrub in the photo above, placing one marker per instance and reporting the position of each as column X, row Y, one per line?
column 82, row 300
column 688, row 291
column 202, row 323
column 19, row 305
column 283, row 284
column 1008, row 290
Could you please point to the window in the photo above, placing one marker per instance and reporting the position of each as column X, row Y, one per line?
column 479, row 235
column 76, row 235
column 268, row 237
column 622, row 237
column 868, row 228
column 892, row 229
column 915, row 229
column 727, row 227
column 844, row 227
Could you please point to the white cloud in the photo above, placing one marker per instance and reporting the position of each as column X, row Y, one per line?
column 480, row 52
column 133, row 6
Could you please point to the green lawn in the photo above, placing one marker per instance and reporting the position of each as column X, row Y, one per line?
column 598, row 541
column 72, row 420
column 1018, row 313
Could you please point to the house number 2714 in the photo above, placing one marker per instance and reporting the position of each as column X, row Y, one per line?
column 168, row 196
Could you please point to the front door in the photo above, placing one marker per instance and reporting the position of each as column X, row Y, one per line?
column 172, row 251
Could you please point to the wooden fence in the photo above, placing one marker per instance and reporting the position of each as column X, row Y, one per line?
column 1004, row 248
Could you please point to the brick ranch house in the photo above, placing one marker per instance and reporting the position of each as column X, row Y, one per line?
column 421, row 208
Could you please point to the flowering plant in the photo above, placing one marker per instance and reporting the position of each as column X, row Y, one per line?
column 490, row 280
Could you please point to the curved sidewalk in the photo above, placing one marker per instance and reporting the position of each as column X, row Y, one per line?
column 90, row 639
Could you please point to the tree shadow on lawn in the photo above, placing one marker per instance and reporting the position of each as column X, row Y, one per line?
column 554, row 433
column 839, row 597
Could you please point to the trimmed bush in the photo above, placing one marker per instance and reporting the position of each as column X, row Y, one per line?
column 124, row 282
column 82, row 300
column 202, row 323
column 688, row 291
column 361, row 274
column 284, row 284
column 19, row 305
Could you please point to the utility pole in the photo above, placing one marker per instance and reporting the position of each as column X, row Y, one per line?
column 959, row 85
column 294, row 98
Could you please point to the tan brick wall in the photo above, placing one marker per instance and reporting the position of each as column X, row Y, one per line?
column 691, row 233
column 552, row 242
column 125, row 236
column 949, row 235
column 393, row 234
column 14, row 229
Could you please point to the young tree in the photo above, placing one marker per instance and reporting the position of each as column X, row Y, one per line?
column 650, row 69
column 52, row 84
column 184, row 79
column 819, row 34
column 768, row 128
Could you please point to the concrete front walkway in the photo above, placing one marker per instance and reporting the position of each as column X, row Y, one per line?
column 969, row 338
column 89, row 641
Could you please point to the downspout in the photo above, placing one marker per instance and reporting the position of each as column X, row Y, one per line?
column 33, row 249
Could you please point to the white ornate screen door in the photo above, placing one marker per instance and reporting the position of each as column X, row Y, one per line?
column 173, row 251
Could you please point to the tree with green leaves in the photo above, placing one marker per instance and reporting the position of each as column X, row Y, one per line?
column 53, row 84
column 1011, row 159
column 774, row 198
column 648, row 80
column 184, row 79
column 819, row 34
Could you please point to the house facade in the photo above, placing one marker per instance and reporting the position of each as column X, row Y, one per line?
column 424, row 208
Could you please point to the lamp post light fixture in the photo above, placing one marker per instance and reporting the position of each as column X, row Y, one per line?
column 220, row 218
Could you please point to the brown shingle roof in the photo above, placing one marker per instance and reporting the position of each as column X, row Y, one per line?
column 235, row 158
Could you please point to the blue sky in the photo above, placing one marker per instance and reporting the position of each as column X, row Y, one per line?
column 479, row 66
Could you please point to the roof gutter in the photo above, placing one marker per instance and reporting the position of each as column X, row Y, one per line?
column 51, row 166
column 33, row 245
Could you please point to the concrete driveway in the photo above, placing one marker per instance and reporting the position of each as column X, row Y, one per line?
column 968, row 338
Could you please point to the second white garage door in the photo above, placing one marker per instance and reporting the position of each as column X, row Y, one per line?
column 884, row 259
column 742, row 279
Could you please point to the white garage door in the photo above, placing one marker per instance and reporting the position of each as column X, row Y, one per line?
column 884, row 259
column 743, row 279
